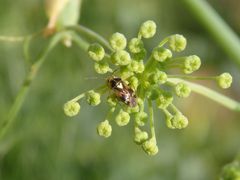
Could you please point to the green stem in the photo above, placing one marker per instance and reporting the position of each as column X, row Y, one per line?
column 26, row 47
column 176, row 60
column 26, row 85
column 168, row 66
column 151, row 118
column 110, row 113
column 79, row 41
column 12, row 38
column 80, row 96
column 84, row 44
column 149, row 66
column 174, row 108
column 211, row 94
column 18, row 38
column 220, row 31
column 164, row 41
column 192, row 77
column 91, row 34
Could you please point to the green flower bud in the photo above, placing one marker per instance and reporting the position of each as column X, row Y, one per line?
column 121, row 58
column 150, row 147
column 179, row 121
column 231, row 171
column 141, row 118
column 93, row 98
column 140, row 136
column 191, row 64
column 71, row 108
column 177, row 42
column 135, row 45
column 224, row 80
column 104, row 129
column 182, row 90
column 122, row 118
column 161, row 54
column 136, row 66
column 148, row 29
column 158, row 77
column 118, row 41
column 140, row 56
column 96, row 52
column 112, row 100
column 102, row 68
column 164, row 100
column 133, row 82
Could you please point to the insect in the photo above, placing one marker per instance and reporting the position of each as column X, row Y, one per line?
column 122, row 91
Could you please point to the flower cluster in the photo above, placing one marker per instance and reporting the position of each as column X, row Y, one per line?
column 139, row 79
column 231, row 170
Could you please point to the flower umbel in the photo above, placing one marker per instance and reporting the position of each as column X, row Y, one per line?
column 137, row 81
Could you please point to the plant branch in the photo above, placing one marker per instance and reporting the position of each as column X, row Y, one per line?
column 79, row 41
column 12, row 38
column 26, row 85
column 220, row 31
column 151, row 118
column 211, row 94
column 90, row 33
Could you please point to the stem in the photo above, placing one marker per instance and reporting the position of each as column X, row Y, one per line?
column 90, row 33
column 151, row 118
column 83, row 44
column 26, row 85
column 26, row 45
column 80, row 42
column 110, row 112
column 192, row 77
column 174, row 108
column 18, row 38
column 176, row 60
column 12, row 38
column 80, row 96
column 211, row 94
column 164, row 41
column 149, row 65
column 173, row 66
column 26, row 53
column 220, row 31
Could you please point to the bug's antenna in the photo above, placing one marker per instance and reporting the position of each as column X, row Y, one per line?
column 115, row 70
column 92, row 78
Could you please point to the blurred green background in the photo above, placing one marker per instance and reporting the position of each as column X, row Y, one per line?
column 45, row 144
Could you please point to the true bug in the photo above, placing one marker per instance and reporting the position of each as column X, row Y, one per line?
column 122, row 91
